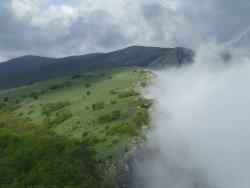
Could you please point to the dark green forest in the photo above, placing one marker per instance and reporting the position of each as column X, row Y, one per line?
column 31, row 156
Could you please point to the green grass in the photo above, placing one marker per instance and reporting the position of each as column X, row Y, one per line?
column 78, row 106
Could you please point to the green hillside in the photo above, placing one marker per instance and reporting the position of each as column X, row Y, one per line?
column 30, row 156
column 102, row 109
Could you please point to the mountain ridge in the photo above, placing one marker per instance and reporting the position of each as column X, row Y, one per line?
column 30, row 68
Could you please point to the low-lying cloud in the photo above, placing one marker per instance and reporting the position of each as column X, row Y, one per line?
column 201, row 132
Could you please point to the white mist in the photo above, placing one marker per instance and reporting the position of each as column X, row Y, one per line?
column 201, row 124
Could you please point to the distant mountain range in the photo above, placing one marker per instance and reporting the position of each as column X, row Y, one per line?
column 30, row 68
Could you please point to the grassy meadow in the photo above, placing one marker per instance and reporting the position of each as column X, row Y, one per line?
column 104, row 108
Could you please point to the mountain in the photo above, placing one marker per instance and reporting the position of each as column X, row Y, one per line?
column 26, row 69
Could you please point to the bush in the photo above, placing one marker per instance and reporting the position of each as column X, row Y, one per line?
column 85, row 133
column 127, row 93
column 144, row 84
column 88, row 92
column 6, row 99
column 141, row 118
column 60, row 117
column 2, row 106
column 147, row 104
column 123, row 128
column 98, row 105
column 113, row 92
column 109, row 117
column 75, row 76
column 87, row 107
column 29, row 83
column 58, row 86
column 113, row 102
column 91, row 139
column 48, row 108
column 34, row 95
column 87, row 85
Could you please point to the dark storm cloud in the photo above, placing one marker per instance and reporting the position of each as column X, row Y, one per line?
column 12, row 32
column 154, row 16
column 59, row 29
column 194, row 20
column 83, row 35
column 99, row 30
column 223, row 18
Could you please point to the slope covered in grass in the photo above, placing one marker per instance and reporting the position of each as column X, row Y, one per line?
column 104, row 109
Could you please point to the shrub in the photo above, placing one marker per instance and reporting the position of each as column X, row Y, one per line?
column 88, row 92
column 29, row 83
column 113, row 102
column 34, row 95
column 60, row 117
column 113, row 92
column 48, row 108
column 58, row 86
column 109, row 117
column 6, row 99
column 2, row 106
column 127, row 93
column 144, row 84
column 53, row 87
column 91, row 139
column 30, row 112
column 98, row 105
column 75, row 76
column 85, row 133
column 123, row 128
column 87, row 85
column 115, row 141
column 147, row 104
column 141, row 118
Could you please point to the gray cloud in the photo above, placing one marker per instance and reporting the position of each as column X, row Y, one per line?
column 61, row 28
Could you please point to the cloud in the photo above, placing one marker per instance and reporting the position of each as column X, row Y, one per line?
column 201, row 134
column 60, row 28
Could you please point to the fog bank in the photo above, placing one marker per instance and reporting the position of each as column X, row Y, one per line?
column 200, row 133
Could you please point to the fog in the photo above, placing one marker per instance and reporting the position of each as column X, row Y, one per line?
column 200, row 122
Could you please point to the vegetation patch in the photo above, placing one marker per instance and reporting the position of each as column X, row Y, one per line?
column 48, row 108
column 127, row 93
column 32, row 157
column 60, row 117
column 98, row 105
column 114, row 115
column 104, row 111
column 141, row 118
column 123, row 128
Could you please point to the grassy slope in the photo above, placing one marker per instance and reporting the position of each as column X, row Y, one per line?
column 84, row 121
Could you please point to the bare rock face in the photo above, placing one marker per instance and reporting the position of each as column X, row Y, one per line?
column 128, row 172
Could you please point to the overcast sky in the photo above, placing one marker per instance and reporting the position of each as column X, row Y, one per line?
column 68, row 27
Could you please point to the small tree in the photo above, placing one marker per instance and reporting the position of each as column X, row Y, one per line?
column 87, row 85
column 88, row 93
column 98, row 105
